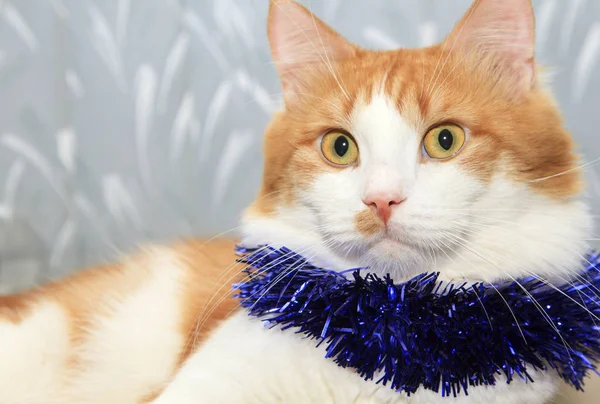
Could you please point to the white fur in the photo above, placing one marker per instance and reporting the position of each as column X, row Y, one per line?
column 133, row 347
column 36, row 367
column 245, row 363
column 507, row 231
column 138, row 324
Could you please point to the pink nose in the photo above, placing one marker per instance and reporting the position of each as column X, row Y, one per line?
column 383, row 204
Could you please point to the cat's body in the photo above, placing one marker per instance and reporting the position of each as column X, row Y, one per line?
column 130, row 336
column 451, row 159
column 113, row 334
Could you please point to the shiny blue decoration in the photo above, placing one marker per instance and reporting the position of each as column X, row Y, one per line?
column 427, row 333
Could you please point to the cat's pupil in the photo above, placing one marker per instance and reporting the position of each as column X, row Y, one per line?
column 445, row 139
column 341, row 146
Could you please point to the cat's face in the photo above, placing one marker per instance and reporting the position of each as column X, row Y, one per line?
column 403, row 159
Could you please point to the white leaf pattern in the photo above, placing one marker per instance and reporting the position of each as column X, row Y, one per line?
column 15, row 20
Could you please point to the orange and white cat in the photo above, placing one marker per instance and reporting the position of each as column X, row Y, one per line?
column 452, row 158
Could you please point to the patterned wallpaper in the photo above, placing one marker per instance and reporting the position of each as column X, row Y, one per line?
column 126, row 121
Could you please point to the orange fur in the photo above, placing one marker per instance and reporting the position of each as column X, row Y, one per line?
column 87, row 297
column 212, row 271
column 367, row 222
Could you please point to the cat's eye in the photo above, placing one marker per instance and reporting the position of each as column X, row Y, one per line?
column 444, row 141
column 339, row 148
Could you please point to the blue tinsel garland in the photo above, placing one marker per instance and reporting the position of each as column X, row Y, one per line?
column 426, row 333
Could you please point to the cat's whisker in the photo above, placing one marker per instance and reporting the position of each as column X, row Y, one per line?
column 462, row 244
column 445, row 84
column 538, row 306
column 225, row 271
column 284, row 274
column 208, row 309
column 231, row 292
column 229, row 269
column 578, row 276
column 542, row 311
column 443, row 208
column 323, row 51
column 567, row 282
column 466, row 261
column 557, row 275
column 456, row 41
column 524, row 236
column 206, row 315
column 586, row 165
column 422, row 78
column 328, row 61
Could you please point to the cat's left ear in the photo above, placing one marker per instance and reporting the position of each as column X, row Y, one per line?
column 299, row 41
column 505, row 29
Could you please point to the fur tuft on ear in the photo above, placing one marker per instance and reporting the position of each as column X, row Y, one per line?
column 505, row 29
column 300, row 40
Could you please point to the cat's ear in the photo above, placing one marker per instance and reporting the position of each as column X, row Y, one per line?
column 505, row 29
column 299, row 40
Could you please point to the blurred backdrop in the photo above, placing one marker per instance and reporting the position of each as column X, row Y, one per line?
column 128, row 121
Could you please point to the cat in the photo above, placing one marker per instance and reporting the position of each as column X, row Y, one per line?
column 452, row 158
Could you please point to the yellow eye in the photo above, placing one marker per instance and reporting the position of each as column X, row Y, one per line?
column 444, row 141
column 339, row 148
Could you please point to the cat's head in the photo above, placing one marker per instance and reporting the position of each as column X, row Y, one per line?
column 452, row 157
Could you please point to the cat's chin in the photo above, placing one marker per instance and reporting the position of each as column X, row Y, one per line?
column 387, row 246
column 398, row 259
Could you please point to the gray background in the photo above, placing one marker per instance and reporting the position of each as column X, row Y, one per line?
column 125, row 121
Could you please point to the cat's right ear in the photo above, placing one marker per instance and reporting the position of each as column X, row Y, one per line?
column 299, row 41
column 506, row 29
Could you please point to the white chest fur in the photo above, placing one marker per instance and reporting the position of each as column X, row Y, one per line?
column 244, row 362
